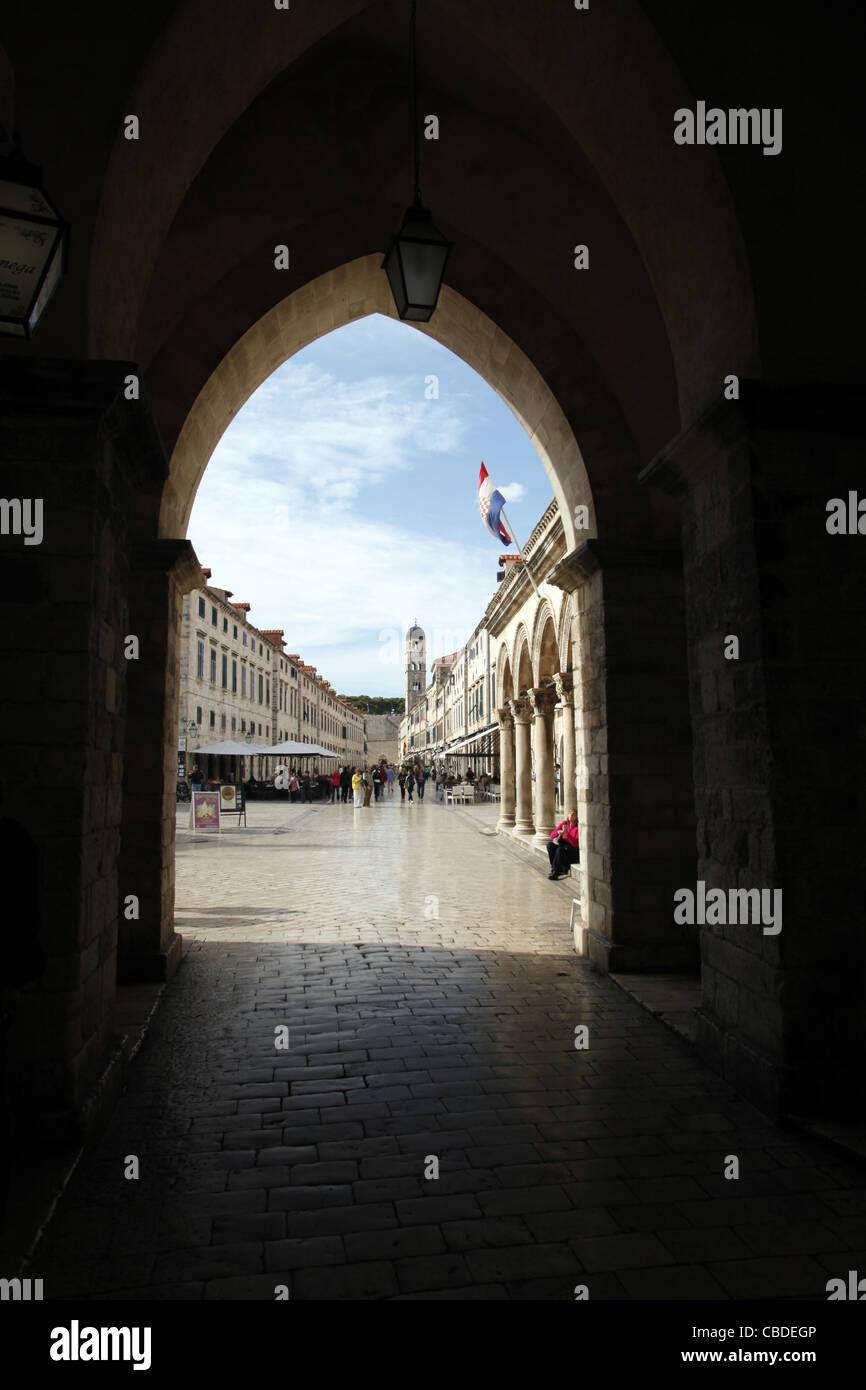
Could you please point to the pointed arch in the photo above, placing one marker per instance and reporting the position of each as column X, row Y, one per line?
column 544, row 616
column 524, row 675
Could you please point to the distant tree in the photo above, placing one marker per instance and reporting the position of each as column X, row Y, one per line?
column 377, row 704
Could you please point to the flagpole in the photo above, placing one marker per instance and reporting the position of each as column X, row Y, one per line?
column 520, row 553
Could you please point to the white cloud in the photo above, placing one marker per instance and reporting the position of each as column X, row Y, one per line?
column 513, row 492
column 285, row 518
column 327, row 439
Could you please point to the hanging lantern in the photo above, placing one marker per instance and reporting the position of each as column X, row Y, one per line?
column 415, row 259
column 415, row 265
column 34, row 241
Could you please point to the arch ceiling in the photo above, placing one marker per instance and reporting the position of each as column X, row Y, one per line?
column 302, row 139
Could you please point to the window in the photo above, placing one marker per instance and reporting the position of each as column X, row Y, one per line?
column 261, row 687
column 267, row 731
column 213, row 617
column 234, row 724
column 212, row 719
column 213, row 665
column 243, row 680
column 267, row 692
column 223, row 723
column 234, row 678
column 199, row 670
column 252, row 644
column 225, row 624
column 198, row 715
column 225, row 672
column 235, row 631
column 294, row 674
column 201, row 607
column 245, row 639
column 243, row 725
column 260, row 729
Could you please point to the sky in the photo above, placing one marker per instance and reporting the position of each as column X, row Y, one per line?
column 342, row 501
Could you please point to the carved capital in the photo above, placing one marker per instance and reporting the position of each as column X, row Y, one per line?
column 521, row 711
column 506, row 718
column 565, row 687
column 175, row 559
column 542, row 701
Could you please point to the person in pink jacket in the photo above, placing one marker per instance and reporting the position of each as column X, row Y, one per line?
column 564, row 848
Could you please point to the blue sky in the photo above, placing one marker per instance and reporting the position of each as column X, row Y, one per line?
column 341, row 502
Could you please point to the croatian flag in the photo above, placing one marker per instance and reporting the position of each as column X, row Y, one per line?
column 491, row 503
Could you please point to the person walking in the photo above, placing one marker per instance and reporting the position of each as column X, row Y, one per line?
column 420, row 779
column 367, row 783
column 391, row 778
column 294, row 786
column 377, row 781
column 402, row 781
column 410, row 784
column 564, row 847
column 196, row 778
column 345, row 782
column 357, row 787
column 335, row 788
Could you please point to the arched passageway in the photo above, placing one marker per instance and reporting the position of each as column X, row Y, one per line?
column 555, row 133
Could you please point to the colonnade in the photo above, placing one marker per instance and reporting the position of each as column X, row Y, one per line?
column 526, row 739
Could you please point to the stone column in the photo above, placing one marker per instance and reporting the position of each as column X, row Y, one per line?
column 633, row 733
column 72, row 439
column 506, row 769
column 521, row 711
column 542, row 702
column 778, row 689
column 148, row 946
column 565, row 694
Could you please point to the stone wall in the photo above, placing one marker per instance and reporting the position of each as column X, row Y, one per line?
column 633, row 752
column 67, row 439
column 778, row 736
column 383, row 738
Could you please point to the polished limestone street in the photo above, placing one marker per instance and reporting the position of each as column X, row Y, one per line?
column 427, row 976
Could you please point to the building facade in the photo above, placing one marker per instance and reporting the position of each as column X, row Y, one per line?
column 450, row 724
column 504, row 703
column 383, row 738
column 237, row 682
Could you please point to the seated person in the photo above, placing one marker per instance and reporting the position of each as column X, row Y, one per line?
column 564, row 849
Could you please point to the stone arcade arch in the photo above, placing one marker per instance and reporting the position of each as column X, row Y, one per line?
column 612, row 371
column 338, row 297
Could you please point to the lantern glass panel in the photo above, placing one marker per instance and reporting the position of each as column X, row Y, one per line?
column 31, row 255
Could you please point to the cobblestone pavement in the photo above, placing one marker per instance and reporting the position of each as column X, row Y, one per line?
column 415, row 1037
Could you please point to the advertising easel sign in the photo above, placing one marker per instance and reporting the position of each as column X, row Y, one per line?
column 205, row 811
column 232, row 801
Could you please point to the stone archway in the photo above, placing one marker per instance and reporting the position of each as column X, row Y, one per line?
column 339, row 297
column 600, row 377
column 681, row 230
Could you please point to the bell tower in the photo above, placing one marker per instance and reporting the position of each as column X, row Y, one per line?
column 415, row 665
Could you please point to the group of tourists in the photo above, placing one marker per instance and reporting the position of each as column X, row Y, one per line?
column 366, row 784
